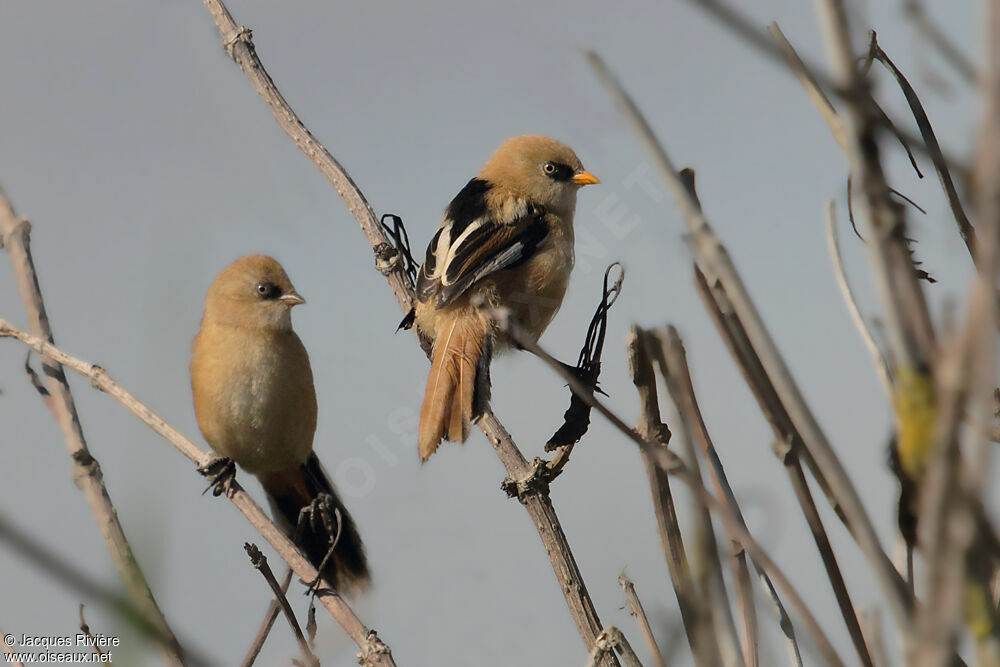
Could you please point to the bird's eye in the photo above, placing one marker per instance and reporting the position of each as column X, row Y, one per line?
column 267, row 290
column 550, row 168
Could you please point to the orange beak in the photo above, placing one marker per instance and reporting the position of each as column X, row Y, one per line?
column 585, row 178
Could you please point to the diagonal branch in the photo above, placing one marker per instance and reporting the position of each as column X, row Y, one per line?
column 15, row 238
column 273, row 608
column 635, row 608
column 694, row 615
column 524, row 476
column 259, row 561
column 713, row 259
column 672, row 465
column 713, row 589
column 373, row 650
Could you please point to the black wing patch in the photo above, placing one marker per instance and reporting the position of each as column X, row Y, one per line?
column 499, row 247
column 468, row 205
column 471, row 244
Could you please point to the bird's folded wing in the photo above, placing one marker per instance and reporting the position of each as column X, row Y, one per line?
column 483, row 247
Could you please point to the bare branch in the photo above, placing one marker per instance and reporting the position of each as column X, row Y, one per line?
column 67, row 574
column 240, row 47
column 265, row 627
column 696, row 618
column 881, row 366
column 635, row 608
column 85, row 629
column 955, row 536
column 713, row 259
column 9, row 650
column 672, row 464
column 692, row 428
column 373, row 650
column 259, row 561
column 750, row 33
column 86, row 470
column 607, row 642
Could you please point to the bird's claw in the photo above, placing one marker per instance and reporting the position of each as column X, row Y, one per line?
column 320, row 515
column 221, row 472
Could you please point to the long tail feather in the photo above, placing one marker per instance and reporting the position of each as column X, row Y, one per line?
column 448, row 407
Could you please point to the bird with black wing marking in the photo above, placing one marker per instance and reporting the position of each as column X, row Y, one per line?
column 506, row 240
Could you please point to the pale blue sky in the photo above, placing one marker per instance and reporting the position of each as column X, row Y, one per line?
column 146, row 162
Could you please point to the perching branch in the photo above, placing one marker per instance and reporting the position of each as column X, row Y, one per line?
column 672, row 465
column 86, row 470
column 373, row 650
column 240, row 48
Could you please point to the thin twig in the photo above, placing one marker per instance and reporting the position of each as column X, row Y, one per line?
column 881, row 366
column 953, row 527
column 751, row 34
column 259, row 561
column 15, row 237
column 714, row 261
column 672, row 464
column 265, row 627
column 9, row 650
column 374, row 651
column 789, row 444
column 697, row 621
column 908, row 326
column 871, row 621
column 69, row 575
column 85, row 629
column 609, row 640
column 635, row 608
column 669, row 356
column 965, row 228
column 240, row 47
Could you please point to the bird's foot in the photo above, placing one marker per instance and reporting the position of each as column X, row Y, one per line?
column 320, row 516
column 221, row 473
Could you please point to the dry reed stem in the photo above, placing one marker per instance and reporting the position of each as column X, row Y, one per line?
column 374, row 651
column 635, row 608
column 695, row 617
column 239, row 46
column 86, row 470
column 672, row 464
column 713, row 259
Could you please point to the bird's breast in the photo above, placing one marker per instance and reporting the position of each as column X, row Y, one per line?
column 254, row 396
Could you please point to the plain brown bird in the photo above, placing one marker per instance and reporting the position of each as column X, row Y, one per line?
column 506, row 238
column 256, row 404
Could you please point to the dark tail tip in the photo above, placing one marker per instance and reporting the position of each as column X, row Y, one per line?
column 292, row 490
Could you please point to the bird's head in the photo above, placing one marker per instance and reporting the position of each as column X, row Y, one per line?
column 538, row 168
column 252, row 292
